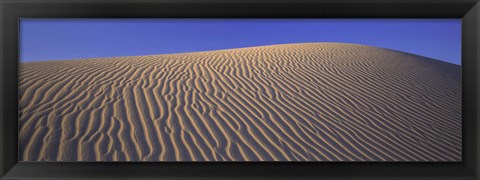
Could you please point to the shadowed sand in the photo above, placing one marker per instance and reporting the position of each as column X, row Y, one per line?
column 292, row 102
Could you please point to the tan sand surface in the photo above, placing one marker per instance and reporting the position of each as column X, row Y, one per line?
column 291, row 102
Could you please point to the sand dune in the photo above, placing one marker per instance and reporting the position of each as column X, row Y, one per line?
column 292, row 102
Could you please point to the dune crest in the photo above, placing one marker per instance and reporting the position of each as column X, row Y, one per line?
column 292, row 102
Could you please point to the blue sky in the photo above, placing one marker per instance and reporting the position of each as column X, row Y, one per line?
column 61, row 39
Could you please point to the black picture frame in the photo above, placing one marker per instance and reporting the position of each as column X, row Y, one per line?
column 12, row 10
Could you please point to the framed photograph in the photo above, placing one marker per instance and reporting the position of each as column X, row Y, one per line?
column 243, row 89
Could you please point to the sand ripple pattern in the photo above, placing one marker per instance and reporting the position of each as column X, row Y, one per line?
column 291, row 102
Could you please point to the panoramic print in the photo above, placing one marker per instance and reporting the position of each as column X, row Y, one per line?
column 182, row 90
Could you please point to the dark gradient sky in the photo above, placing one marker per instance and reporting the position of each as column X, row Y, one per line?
column 60, row 39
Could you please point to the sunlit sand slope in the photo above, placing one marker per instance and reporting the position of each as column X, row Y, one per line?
column 292, row 102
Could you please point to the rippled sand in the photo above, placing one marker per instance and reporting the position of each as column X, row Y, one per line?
column 292, row 102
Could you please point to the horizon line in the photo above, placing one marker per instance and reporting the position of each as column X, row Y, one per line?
column 243, row 47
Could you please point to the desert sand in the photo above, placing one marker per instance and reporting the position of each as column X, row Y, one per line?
column 290, row 102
